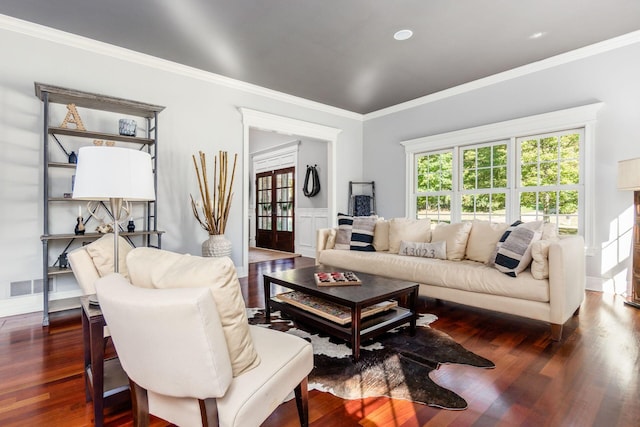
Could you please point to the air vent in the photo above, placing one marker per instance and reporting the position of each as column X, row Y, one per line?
column 23, row 287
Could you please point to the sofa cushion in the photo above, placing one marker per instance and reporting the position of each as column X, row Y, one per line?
column 424, row 250
column 101, row 253
column 362, row 233
column 483, row 237
column 409, row 230
column 381, row 235
column 155, row 268
column 549, row 232
column 513, row 252
column 456, row 236
column 331, row 239
column 465, row 275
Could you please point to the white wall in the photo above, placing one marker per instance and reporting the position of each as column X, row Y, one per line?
column 611, row 77
column 200, row 114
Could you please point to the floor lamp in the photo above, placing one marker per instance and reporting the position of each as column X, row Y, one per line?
column 114, row 174
column 629, row 179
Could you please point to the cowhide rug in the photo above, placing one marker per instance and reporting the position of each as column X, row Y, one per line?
column 394, row 364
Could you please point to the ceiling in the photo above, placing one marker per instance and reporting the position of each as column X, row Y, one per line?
column 342, row 53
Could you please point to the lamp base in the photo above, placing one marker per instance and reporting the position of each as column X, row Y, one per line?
column 632, row 303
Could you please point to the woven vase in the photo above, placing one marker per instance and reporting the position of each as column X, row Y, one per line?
column 217, row 245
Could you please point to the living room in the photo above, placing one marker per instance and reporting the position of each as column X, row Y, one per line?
column 204, row 111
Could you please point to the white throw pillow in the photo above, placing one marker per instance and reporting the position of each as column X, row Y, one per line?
column 456, row 236
column 482, row 240
column 424, row 250
column 155, row 268
column 381, row 236
column 409, row 230
column 101, row 253
column 540, row 262
column 549, row 232
column 513, row 252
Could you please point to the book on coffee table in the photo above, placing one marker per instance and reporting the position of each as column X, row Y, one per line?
column 336, row 278
column 331, row 311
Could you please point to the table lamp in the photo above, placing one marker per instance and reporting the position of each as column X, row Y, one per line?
column 114, row 174
column 629, row 179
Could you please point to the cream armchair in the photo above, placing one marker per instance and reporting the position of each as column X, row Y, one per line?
column 172, row 345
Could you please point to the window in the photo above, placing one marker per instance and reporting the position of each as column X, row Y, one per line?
column 549, row 184
column 532, row 168
column 434, row 186
column 484, row 182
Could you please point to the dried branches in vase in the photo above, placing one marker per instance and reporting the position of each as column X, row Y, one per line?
column 215, row 206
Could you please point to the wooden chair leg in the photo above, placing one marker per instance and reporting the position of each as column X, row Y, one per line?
column 208, row 412
column 556, row 332
column 302, row 401
column 139, row 405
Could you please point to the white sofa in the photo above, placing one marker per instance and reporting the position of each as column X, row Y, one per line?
column 552, row 292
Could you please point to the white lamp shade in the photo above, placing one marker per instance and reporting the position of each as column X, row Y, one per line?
column 104, row 173
column 629, row 174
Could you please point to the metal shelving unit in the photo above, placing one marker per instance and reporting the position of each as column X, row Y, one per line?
column 54, row 137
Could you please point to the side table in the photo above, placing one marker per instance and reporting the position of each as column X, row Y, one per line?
column 106, row 383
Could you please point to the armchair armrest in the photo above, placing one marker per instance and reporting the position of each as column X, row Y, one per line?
column 84, row 270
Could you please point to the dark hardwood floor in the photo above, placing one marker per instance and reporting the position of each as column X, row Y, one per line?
column 591, row 378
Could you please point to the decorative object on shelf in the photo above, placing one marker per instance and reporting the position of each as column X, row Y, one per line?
column 114, row 174
column 109, row 143
column 79, row 229
column 629, row 179
column 73, row 158
column 104, row 228
column 63, row 262
column 215, row 205
column 98, row 142
column 312, row 172
column 73, row 118
column 127, row 127
column 131, row 226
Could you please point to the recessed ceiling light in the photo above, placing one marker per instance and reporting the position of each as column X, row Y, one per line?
column 537, row 35
column 403, row 35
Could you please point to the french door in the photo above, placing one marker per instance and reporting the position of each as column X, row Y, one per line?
column 275, row 192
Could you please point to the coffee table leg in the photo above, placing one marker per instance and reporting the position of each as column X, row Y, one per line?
column 413, row 306
column 267, row 298
column 356, row 316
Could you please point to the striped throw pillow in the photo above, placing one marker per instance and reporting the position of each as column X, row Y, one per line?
column 362, row 233
column 343, row 236
column 513, row 254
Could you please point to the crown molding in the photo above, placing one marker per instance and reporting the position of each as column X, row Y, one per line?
column 540, row 123
column 534, row 67
column 80, row 42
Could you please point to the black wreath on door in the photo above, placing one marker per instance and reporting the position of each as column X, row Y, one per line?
column 312, row 172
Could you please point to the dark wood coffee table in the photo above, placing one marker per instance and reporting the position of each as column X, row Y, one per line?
column 374, row 289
